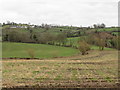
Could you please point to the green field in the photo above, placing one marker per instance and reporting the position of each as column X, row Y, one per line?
column 96, row 48
column 75, row 40
column 23, row 50
column 113, row 30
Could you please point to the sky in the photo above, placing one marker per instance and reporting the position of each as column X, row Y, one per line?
column 60, row 12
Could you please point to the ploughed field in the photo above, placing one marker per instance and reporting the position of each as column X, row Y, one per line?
column 97, row 69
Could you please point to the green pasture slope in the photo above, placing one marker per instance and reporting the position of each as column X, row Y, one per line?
column 22, row 50
column 75, row 40
column 58, row 30
column 108, row 29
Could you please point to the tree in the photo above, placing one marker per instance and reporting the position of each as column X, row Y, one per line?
column 116, row 42
column 31, row 34
column 47, row 27
column 99, row 25
column 101, row 43
column 35, row 37
column 61, row 38
column 95, row 26
column 102, row 25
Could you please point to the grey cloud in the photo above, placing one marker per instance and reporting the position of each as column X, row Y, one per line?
column 72, row 12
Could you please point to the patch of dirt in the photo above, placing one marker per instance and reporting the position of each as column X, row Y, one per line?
column 68, row 84
column 101, row 54
column 19, row 58
column 101, row 83
column 70, row 69
column 96, row 63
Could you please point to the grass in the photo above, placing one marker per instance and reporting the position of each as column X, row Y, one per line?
column 116, row 33
column 104, row 29
column 23, row 50
column 75, row 40
column 108, row 79
column 36, row 72
column 96, row 48
column 108, row 29
column 101, row 70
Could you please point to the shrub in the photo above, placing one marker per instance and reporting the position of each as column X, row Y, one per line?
column 116, row 42
column 83, row 47
column 31, row 53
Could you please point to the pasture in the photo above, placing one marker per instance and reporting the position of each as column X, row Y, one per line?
column 41, row 51
column 75, row 40
column 25, row 50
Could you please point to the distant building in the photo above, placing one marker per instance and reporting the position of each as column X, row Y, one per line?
column 18, row 26
column 32, row 26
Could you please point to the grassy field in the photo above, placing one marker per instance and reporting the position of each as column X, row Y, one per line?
column 108, row 29
column 97, row 48
column 75, row 40
column 97, row 69
column 23, row 50
column 113, row 30
column 58, row 30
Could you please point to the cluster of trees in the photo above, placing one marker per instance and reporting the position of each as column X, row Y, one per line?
column 105, row 40
column 99, row 25
column 32, row 37
column 15, row 36
column 12, row 23
column 101, row 39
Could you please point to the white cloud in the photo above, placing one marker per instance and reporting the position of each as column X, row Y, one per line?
column 67, row 12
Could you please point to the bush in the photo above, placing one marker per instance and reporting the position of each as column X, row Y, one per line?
column 83, row 47
column 116, row 42
column 31, row 53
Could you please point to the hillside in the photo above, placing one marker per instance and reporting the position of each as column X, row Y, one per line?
column 24, row 50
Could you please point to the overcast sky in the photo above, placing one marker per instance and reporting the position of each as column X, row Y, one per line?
column 61, row 12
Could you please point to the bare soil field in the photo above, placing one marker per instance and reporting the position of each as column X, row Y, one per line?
column 98, row 69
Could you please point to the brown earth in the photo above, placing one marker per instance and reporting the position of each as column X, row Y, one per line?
column 98, row 69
